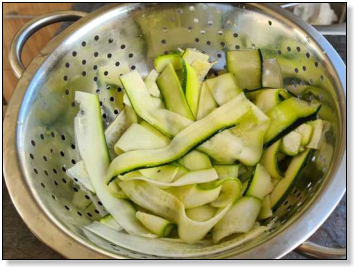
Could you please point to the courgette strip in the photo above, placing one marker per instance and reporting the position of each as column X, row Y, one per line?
column 91, row 140
column 223, row 117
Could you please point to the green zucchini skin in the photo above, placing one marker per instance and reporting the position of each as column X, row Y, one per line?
column 292, row 127
column 275, row 204
column 282, row 121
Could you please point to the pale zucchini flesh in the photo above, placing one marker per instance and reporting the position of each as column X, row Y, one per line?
column 151, row 84
column 306, row 131
column 266, row 210
column 261, row 183
column 291, row 143
column 198, row 196
column 165, row 173
column 246, row 65
column 195, row 160
column 317, row 126
column 191, row 88
column 206, row 102
column 272, row 74
column 230, row 191
column 223, row 88
column 159, row 226
column 138, row 137
column 172, row 92
column 227, row 170
column 239, row 219
column 190, row 177
column 268, row 99
column 270, row 160
column 201, row 213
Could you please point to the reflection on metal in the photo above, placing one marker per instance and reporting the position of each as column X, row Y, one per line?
column 39, row 143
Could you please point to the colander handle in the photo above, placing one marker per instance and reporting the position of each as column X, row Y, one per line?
column 30, row 28
column 321, row 252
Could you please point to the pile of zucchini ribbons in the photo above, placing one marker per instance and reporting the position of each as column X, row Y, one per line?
column 194, row 156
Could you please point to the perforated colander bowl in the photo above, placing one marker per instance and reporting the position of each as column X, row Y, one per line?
column 39, row 143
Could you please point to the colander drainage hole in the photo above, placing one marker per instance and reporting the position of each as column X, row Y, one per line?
column 46, row 173
column 270, row 23
column 33, row 142
column 99, row 203
column 104, row 116
column 62, row 153
column 83, row 62
column 76, row 190
column 316, row 64
column 32, row 156
column 73, row 146
column 321, row 78
column 97, row 38
column 296, row 70
column 208, row 42
column 83, row 43
column 80, row 214
column 307, row 55
column 43, row 185
column 74, row 53
column 110, row 40
column 304, row 68
column 115, row 112
column 87, row 197
column 235, row 35
column 55, row 182
column 53, row 197
column 35, row 170
column 89, row 214
column 123, row 46
column 285, row 203
column 67, row 208
column 109, row 56
column 219, row 55
column 131, row 55
column 64, row 180
column 117, row 63
column 298, row 48
column 54, row 170
column 67, row 65
column 63, row 168
column 94, row 67
column 95, row 54
column 238, row 47
column 45, row 158
column 196, row 40
column 133, row 67
column 96, row 211
column 67, row 92
column 73, row 161
column 42, row 136
column 53, row 134
column 289, row 49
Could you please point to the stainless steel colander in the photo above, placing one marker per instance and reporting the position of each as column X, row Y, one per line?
column 39, row 143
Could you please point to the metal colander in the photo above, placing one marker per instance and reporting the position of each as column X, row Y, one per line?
column 39, row 142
